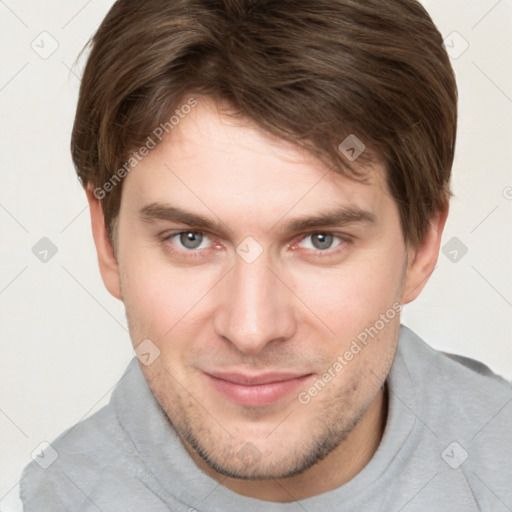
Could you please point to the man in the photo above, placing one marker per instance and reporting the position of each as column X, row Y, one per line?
column 268, row 183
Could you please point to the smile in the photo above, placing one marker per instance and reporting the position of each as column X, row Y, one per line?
column 255, row 390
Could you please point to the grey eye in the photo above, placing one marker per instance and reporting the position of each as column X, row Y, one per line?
column 191, row 239
column 321, row 240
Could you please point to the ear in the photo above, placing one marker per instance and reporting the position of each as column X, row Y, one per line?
column 106, row 258
column 422, row 260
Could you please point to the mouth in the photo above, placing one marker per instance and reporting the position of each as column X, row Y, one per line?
column 256, row 390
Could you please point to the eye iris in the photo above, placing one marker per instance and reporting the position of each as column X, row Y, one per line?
column 191, row 240
column 322, row 240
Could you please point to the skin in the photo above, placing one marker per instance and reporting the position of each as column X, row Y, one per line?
column 297, row 307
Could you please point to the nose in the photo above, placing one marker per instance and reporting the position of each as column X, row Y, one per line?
column 256, row 308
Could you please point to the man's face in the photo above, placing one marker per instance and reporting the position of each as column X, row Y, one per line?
column 251, row 314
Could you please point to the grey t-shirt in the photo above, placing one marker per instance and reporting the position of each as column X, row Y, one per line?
column 447, row 446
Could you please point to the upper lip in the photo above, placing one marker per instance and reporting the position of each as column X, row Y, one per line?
column 246, row 379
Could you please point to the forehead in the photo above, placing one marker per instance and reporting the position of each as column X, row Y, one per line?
column 219, row 164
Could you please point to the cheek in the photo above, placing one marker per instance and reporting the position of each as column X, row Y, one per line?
column 162, row 300
column 352, row 296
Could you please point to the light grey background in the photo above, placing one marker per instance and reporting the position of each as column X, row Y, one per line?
column 63, row 337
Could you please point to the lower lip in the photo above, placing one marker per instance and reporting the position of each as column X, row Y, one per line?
column 258, row 395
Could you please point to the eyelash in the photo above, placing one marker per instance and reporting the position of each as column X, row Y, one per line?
column 195, row 253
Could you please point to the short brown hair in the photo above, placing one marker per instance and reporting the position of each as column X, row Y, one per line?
column 310, row 71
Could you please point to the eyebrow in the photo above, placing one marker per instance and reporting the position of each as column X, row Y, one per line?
column 331, row 218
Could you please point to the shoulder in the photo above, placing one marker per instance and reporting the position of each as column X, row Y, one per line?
column 464, row 410
column 462, row 397
column 466, row 387
column 96, row 456
column 452, row 371
column 53, row 480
